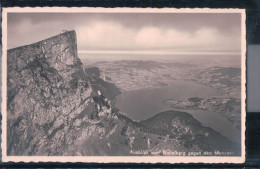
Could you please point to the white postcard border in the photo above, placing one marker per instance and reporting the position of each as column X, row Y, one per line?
column 122, row 159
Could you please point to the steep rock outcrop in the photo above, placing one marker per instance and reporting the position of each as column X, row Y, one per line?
column 55, row 108
column 47, row 93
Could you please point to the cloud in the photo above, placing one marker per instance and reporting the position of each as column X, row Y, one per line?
column 106, row 35
column 112, row 35
column 204, row 38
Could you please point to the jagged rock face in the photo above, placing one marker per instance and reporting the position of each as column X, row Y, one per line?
column 53, row 109
column 47, row 91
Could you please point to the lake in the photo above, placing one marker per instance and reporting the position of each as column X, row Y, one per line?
column 145, row 103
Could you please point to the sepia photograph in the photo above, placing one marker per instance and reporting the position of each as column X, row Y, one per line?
column 123, row 85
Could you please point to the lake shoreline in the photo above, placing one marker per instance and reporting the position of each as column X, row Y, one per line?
column 136, row 101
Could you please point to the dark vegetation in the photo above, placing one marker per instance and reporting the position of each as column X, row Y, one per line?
column 107, row 89
column 176, row 125
column 195, row 99
column 183, row 127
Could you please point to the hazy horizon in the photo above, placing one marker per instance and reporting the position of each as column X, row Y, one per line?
column 225, row 60
column 182, row 32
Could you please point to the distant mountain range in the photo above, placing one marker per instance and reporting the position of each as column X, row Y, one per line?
column 55, row 107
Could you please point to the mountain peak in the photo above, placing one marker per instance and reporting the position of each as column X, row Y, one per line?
column 59, row 52
column 47, row 89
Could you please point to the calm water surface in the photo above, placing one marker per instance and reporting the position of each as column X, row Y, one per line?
column 145, row 103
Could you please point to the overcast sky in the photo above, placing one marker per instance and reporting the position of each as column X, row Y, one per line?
column 131, row 31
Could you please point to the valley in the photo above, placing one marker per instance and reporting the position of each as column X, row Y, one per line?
column 59, row 105
column 133, row 75
column 135, row 78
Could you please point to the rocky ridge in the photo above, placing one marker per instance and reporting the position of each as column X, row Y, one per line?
column 55, row 107
column 48, row 92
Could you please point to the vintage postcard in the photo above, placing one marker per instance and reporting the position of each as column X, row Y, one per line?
column 123, row 85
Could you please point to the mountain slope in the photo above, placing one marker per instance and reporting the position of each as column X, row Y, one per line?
column 109, row 90
column 55, row 107
column 49, row 97
column 184, row 127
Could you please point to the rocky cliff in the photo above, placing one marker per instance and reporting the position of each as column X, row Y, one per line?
column 57, row 108
column 47, row 93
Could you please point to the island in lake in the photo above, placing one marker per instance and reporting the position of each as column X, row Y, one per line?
column 60, row 104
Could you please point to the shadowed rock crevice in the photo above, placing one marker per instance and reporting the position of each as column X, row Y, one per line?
column 57, row 108
column 47, row 89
